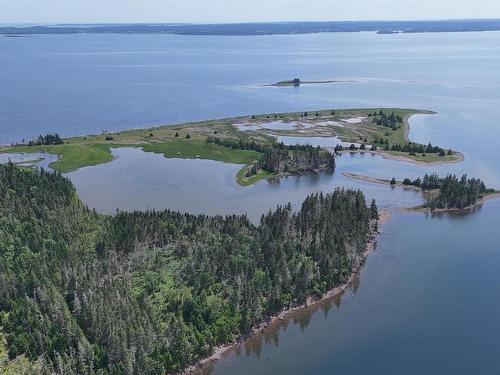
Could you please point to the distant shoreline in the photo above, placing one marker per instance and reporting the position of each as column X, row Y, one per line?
column 265, row 28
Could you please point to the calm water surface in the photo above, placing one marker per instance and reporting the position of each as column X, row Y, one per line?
column 427, row 301
column 137, row 180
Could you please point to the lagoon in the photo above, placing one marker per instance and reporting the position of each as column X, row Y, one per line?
column 137, row 180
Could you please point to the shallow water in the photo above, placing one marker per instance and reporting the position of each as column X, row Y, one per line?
column 37, row 159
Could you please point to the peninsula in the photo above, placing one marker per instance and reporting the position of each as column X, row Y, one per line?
column 246, row 140
column 168, row 287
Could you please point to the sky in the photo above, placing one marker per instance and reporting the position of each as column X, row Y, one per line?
column 223, row 11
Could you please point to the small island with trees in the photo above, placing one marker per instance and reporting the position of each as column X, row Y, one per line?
column 296, row 82
column 448, row 193
column 278, row 160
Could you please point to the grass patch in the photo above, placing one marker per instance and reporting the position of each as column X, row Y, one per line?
column 71, row 156
column 428, row 158
column 246, row 181
column 199, row 149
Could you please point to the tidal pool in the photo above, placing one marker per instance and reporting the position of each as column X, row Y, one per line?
column 36, row 159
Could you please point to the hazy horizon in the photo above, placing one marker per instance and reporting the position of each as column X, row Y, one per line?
column 242, row 22
column 239, row 11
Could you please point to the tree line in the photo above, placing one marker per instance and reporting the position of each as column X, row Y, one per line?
column 414, row 148
column 45, row 140
column 450, row 191
column 391, row 120
column 151, row 292
column 280, row 159
column 238, row 144
column 296, row 160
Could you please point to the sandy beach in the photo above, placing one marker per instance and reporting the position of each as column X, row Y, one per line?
column 386, row 155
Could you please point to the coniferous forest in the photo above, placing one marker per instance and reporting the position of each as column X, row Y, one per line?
column 151, row 292
column 450, row 192
column 281, row 159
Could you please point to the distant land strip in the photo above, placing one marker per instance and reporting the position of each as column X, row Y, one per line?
column 269, row 28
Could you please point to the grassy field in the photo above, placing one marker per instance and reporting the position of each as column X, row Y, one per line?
column 188, row 140
column 72, row 156
column 425, row 158
column 198, row 148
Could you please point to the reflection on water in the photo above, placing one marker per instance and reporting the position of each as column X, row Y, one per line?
column 421, row 295
column 254, row 345
column 299, row 320
column 137, row 180
column 326, row 142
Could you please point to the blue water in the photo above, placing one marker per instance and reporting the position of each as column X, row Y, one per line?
column 137, row 180
column 425, row 303
column 79, row 84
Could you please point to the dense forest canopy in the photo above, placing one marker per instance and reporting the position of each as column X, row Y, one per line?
column 280, row 159
column 151, row 292
column 450, row 191
column 47, row 139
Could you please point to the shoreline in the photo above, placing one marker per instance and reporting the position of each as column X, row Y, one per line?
column 485, row 198
column 381, row 181
column 384, row 216
column 376, row 180
column 386, row 155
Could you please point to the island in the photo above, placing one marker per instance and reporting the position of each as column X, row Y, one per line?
column 293, row 82
column 156, row 291
column 296, row 82
column 249, row 140
column 449, row 193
